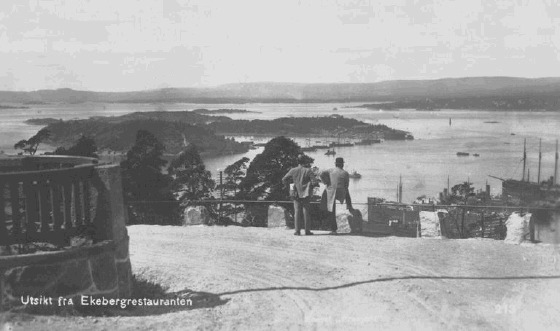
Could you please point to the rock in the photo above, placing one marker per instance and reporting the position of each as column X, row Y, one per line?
column 196, row 215
column 278, row 216
column 349, row 222
column 518, row 229
column 430, row 225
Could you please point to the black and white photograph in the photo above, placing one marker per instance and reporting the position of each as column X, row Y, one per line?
column 279, row 165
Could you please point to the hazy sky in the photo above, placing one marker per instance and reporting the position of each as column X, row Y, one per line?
column 119, row 45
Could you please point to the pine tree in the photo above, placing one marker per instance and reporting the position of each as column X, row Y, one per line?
column 191, row 180
column 264, row 175
column 147, row 190
column 30, row 145
column 85, row 146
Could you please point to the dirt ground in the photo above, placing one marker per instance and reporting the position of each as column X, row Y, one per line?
column 259, row 279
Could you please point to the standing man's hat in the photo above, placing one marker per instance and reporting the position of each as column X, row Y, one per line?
column 339, row 160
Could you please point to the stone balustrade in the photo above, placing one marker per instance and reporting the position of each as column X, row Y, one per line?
column 52, row 200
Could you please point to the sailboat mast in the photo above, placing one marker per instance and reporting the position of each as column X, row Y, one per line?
column 540, row 157
column 556, row 164
column 524, row 158
column 400, row 188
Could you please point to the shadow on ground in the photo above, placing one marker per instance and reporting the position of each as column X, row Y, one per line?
column 385, row 279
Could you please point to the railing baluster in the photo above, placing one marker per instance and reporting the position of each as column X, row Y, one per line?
column 87, row 203
column 68, row 224
column 57, row 205
column 16, row 216
column 45, row 210
column 3, row 229
column 78, row 203
column 31, row 208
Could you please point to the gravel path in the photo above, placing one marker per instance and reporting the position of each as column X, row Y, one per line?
column 258, row 279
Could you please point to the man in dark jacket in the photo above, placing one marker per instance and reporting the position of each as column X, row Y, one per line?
column 300, row 176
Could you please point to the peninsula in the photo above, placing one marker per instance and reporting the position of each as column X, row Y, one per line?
column 178, row 129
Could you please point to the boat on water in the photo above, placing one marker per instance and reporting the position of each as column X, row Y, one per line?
column 368, row 142
column 355, row 175
column 462, row 154
column 308, row 148
column 341, row 145
column 524, row 191
column 476, row 154
column 330, row 152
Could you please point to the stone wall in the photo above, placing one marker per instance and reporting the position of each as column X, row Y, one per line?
column 96, row 270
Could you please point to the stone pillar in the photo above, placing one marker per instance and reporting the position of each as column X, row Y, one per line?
column 518, row 229
column 278, row 216
column 110, row 212
column 111, row 218
column 430, row 225
column 196, row 215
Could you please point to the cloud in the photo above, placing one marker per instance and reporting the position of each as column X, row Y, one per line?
column 129, row 44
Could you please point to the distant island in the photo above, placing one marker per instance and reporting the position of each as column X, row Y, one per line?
column 176, row 130
column 13, row 107
column 35, row 103
column 514, row 103
column 41, row 121
column 203, row 111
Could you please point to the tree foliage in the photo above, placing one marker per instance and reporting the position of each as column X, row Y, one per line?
column 191, row 180
column 264, row 175
column 303, row 125
column 147, row 190
column 234, row 174
column 229, row 189
column 30, row 145
column 461, row 193
column 85, row 146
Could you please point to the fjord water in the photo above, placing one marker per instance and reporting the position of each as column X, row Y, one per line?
column 424, row 163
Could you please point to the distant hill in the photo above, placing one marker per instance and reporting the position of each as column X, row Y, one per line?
column 493, row 89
